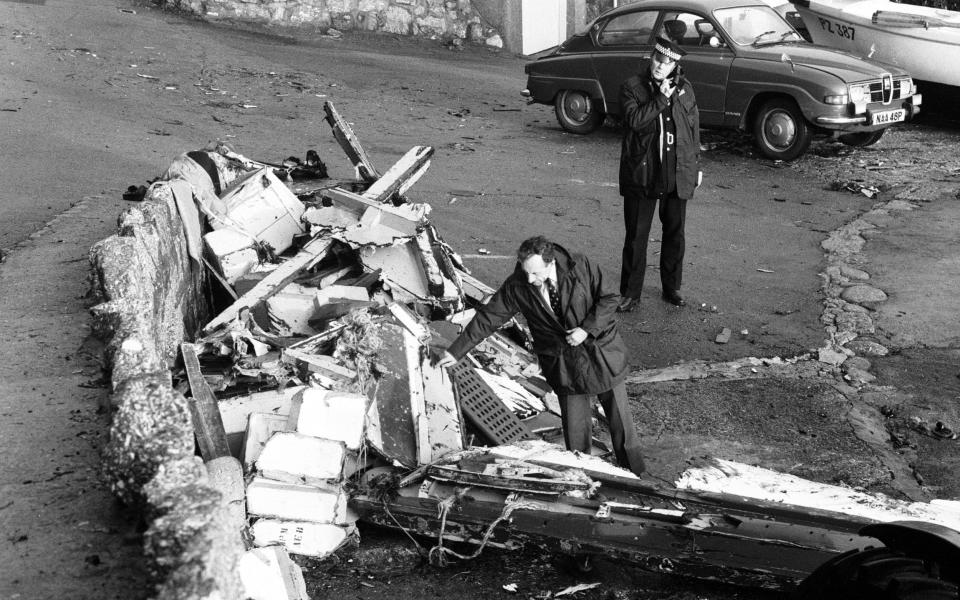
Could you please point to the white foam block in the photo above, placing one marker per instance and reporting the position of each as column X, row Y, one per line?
column 232, row 252
column 330, row 415
column 300, row 537
column 260, row 428
column 298, row 458
column 290, row 313
column 295, row 502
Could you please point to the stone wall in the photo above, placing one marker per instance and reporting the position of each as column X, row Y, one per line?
column 597, row 7
column 151, row 298
column 451, row 20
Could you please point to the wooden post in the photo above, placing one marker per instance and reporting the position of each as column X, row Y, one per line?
column 401, row 175
column 207, row 422
column 348, row 141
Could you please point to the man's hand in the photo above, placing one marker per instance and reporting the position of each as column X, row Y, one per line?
column 667, row 88
column 576, row 336
column 442, row 360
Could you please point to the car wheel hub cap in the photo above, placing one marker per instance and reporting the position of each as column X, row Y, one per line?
column 577, row 107
column 779, row 130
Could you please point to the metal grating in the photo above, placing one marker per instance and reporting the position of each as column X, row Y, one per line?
column 484, row 409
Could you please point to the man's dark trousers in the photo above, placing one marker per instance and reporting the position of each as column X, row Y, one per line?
column 577, row 416
column 638, row 210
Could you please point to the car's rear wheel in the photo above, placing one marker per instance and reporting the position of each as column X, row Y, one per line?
column 862, row 138
column 780, row 131
column 577, row 112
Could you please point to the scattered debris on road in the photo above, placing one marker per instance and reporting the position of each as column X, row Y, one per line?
column 315, row 403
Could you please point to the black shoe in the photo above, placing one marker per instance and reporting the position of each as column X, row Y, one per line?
column 628, row 304
column 674, row 298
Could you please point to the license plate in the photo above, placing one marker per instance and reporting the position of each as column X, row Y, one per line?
column 888, row 116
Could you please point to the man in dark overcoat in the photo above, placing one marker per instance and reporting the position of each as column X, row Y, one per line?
column 569, row 307
column 659, row 163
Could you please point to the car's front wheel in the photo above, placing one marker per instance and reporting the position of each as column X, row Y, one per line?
column 780, row 131
column 862, row 138
column 577, row 112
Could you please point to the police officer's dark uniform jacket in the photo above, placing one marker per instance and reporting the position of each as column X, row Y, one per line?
column 641, row 104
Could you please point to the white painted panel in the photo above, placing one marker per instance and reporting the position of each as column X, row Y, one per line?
column 544, row 24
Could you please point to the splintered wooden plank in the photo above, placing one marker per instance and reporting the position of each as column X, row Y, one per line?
column 401, row 175
column 405, row 218
column 474, row 288
column 409, row 320
column 207, row 422
column 444, row 420
column 418, row 403
column 350, row 144
column 441, row 429
column 390, row 426
column 311, row 252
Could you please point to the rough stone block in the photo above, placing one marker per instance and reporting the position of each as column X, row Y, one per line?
column 192, row 548
column 151, row 427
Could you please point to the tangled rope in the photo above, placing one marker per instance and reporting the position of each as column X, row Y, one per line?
column 438, row 554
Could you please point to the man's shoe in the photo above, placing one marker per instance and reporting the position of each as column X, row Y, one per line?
column 628, row 304
column 674, row 298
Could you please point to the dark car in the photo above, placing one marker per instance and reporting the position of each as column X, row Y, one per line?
column 750, row 70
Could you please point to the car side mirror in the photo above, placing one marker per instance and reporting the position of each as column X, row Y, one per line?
column 703, row 27
column 714, row 41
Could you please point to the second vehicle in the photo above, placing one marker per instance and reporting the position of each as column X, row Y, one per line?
column 749, row 68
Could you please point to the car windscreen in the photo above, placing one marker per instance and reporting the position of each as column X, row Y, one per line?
column 747, row 25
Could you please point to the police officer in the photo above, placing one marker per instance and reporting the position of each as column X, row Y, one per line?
column 659, row 163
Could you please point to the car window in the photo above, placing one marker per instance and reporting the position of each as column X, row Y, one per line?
column 747, row 25
column 681, row 28
column 630, row 28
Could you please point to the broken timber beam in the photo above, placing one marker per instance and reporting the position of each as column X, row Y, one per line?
column 405, row 222
column 401, row 175
column 474, row 288
column 311, row 252
column 204, row 410
column 348, row 141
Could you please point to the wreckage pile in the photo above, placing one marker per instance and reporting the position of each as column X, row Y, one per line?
column 319, row 367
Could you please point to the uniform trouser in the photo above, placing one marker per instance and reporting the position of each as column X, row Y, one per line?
column 637, row 217
column 577, row 416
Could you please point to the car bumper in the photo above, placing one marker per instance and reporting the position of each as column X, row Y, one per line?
column 863, row 117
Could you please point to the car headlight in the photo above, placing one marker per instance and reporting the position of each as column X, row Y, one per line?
column 859, row 93
column 838, row 99
column 906, row 88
